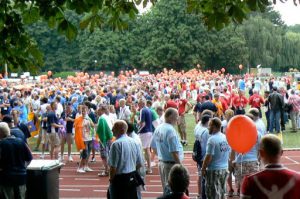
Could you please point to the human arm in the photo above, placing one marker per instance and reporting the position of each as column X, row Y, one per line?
column 190, row 106
column 175, row 156
column 206, row 161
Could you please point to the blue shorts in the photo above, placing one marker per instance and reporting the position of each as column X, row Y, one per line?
column 85, row 154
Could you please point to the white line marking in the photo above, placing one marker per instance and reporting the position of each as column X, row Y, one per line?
column 87, row 179
column 69, row 189
column 288, row 157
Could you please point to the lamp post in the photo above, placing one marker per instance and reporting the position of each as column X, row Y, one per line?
column 95, row 63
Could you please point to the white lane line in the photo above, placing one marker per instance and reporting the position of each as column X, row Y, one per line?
column 89, row 186
column 87, row 179
column 69, row 189
column 84, row 186
column 288, row 157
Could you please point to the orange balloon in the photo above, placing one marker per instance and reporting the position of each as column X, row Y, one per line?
column 241, row 134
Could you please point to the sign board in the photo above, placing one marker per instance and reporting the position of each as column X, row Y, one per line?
column 26, row 74
column 14, row 74
column 144, row 73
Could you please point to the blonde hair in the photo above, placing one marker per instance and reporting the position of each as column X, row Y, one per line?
column 229, row 114
column 4, row 130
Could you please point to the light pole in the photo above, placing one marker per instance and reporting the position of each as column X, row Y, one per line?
column 5, row 71
column 95, row 64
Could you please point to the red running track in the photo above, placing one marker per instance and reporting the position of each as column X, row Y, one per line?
column 89, row 185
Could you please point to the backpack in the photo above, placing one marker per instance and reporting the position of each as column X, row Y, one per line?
column 197, row 151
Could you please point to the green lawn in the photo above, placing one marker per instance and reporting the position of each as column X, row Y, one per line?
column 290, row 140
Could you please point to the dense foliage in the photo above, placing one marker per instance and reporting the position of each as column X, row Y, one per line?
column 168, row 36
column 20, row 51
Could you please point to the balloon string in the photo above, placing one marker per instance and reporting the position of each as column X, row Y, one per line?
column 242, row 155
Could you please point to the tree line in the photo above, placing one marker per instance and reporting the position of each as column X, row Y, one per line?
column 167, row 36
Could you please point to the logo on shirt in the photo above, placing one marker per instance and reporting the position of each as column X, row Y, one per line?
column 224, row 147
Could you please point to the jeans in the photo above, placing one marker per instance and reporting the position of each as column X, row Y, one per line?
column 275, row 120
column 12, row 192
column 268, row 120
column 294, row 119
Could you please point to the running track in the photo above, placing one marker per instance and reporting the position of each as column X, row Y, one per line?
column 89, row 185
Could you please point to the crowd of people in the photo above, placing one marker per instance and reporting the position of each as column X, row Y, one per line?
column 131, row 119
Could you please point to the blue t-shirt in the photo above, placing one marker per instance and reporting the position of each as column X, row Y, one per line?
column 51, row 118
column 146, row 116
column 201, row 133
column 165, row 141
column 252, row 155
column 242, row 85
column 218, row 148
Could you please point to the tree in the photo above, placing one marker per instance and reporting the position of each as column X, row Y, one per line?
column 218, row 14
column 18, row 49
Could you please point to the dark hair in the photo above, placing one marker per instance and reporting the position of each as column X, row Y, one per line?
column 216, row 122
column 271, row 145
column 130, row 127
column 206, row 97
column 179, row 178
column 205, row 119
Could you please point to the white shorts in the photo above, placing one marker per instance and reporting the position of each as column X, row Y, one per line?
column 44, row 135
column 146, row 139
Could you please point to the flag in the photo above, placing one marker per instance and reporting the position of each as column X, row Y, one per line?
column 33, row 124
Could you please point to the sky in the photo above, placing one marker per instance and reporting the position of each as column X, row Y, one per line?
column 289, row 12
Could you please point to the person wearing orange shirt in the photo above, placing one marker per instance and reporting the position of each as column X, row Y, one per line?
column 216, row 101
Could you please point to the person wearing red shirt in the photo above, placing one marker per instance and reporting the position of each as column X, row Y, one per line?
column 275, row 181
column 255, row 101
column 239, row 103
column 181, row 120
column 170, row 103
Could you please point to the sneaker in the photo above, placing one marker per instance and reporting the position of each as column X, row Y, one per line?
column 42, row 156
column 80, row 170
column 88, row 169
column 153, row 164
column 93, row 159
column 61, row 158
column 70, row 159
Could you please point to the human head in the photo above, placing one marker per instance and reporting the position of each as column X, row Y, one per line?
column 120, row 128
column 171, row 116
column 207, row 112
column 122, row 103
column 4, row 130
column 214, row 125
column 229, row 113
column 255, row 113
column 102, row 109
column 159, row 111
column 84, row 110
column 53, row 106
column 270, row 149
column 141, row 103
column 8, row 120
column 216, row 96
column 205, row 119
column 179, row 179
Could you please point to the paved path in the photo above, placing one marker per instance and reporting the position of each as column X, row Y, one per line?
column 89, row 185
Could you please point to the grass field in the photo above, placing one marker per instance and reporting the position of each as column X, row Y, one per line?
column 290, row 140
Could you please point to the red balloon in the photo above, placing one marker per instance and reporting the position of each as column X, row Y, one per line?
column 241, row 134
